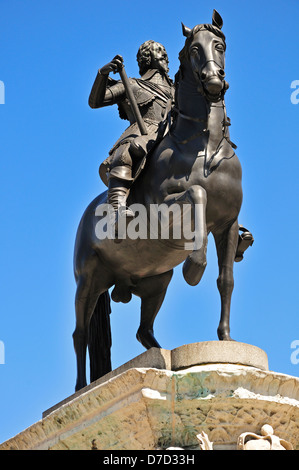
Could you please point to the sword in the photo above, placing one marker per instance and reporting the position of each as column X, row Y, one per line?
column 132, row 101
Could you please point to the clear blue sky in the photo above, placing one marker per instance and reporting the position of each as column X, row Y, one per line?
column 52, row 144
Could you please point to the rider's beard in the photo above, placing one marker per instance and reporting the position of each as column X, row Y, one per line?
column 163, row 66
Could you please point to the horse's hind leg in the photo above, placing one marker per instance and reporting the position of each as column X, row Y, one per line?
column 92, row 281
column 152, row 291
column 85, row 303
column 226, row 245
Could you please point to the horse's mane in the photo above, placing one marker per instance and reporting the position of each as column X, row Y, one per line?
column 200, row 27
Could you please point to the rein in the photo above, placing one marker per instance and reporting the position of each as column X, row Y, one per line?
column 225, row 123
column 208, row 98
column 189, row 118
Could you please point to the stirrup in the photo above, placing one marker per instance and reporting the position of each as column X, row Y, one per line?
column 245, row 241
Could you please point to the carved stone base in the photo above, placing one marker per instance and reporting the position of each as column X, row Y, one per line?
column 146, row 408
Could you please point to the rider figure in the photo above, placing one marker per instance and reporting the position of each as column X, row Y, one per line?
column 154, row 94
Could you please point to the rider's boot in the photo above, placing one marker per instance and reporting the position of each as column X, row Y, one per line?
column 120, row 180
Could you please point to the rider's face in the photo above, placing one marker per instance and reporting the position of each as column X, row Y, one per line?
column 159, row 57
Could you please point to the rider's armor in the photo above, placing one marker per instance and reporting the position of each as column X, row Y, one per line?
column 154, row 93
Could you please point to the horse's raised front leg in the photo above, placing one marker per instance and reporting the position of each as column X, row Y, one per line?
column 195, row 263
column 226, row 245
column 152, row 291
column 193, row 203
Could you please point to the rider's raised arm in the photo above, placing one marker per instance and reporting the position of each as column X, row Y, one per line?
column 106, row 91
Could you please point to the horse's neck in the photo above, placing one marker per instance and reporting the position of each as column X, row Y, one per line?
column 197, row 113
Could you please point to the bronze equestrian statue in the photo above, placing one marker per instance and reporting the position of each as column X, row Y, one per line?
column 192, row 165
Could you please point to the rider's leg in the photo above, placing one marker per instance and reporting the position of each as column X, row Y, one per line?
column 139, row 147
column 120, row 180
column 118, row 190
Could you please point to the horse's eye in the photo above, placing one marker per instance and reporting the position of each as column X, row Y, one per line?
column 194, row 50
column 219, row 47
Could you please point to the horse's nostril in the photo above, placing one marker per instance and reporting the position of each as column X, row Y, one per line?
column 221, row 72
column 203, row 75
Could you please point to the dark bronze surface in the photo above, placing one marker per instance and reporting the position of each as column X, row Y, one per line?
column 193, row 164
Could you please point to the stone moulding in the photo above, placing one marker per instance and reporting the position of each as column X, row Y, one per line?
column 148, row 409
column 165, row 399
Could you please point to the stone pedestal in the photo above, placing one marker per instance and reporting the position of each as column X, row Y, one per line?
column 165, row 398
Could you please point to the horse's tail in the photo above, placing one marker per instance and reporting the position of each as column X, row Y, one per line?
column 99, row 338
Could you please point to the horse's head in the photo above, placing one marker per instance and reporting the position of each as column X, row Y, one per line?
column 205, row 49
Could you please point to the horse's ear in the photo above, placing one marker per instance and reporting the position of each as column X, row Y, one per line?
column 217, row 20
column 186, row 31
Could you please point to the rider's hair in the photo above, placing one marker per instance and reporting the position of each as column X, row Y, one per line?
column 144, row 57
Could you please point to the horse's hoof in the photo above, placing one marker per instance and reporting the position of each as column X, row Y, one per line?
column 193, row 271
column 224, row 336
column 245, row 241
column 147, row 339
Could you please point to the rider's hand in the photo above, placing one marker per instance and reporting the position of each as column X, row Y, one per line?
column 114, row 66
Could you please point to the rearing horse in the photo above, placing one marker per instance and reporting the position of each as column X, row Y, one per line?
column 195, row 164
